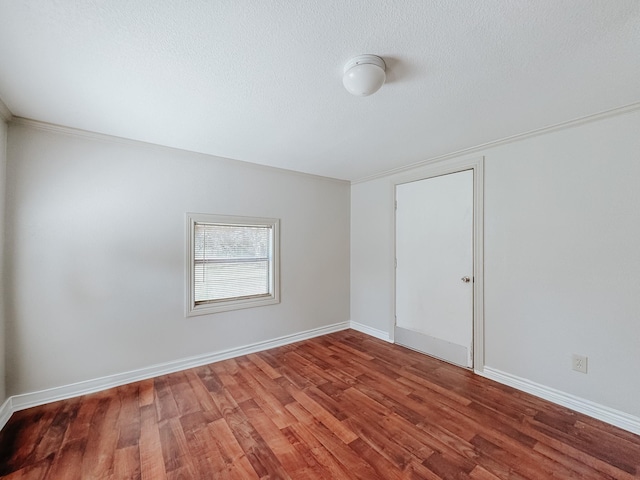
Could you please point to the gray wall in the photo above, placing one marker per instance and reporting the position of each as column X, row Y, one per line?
column 562, row 230
column 96, row 254
column 3, row 164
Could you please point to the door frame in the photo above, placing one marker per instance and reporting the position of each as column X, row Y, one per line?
column 437, row 169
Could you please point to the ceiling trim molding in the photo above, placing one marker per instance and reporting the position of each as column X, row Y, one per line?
column 5, row 113
column 503, row 141
column 75, row 132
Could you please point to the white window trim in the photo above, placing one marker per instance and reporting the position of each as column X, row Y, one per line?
column 226, row 305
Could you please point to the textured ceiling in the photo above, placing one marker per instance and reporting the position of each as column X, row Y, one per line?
column 261, row 81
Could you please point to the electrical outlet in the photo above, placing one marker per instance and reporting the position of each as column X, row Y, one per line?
column 579, row 363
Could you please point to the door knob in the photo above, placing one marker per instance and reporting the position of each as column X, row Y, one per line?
column 465, row 279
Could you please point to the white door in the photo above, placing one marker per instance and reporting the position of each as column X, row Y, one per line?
column 434, row 270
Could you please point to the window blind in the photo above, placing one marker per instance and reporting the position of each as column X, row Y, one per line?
column 231, row 262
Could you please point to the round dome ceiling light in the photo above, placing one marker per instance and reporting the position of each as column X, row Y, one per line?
column 364, row 75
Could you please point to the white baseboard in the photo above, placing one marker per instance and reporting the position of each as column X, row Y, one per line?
column 614, row 417
column 6, row 410
column 32, row 399
column 27, row 400
column 373, row 332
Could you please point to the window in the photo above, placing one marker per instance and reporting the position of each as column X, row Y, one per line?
column 232, row 263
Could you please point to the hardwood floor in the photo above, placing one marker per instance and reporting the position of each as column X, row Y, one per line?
column 342, row 406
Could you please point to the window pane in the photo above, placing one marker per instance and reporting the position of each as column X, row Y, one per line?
column 217, row 281
column 221, row 242
column 231, row 261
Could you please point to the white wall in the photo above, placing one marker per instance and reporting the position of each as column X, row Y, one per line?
column 562, row 256
column 96, row 248
column 3, row 164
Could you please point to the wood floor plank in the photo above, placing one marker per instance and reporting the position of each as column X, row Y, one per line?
column 53, row 437
column 236, row 461
column 334, row 364
column 414, row 382
column 383, row 467
column 165, row 402
column 583, row 470
column 126, row 463
column 22, row 435
column 479, row 473
column 270, row 394
column 566, row 445
column 277, row 441
column 102, row 439
column 329, row 464
column 198, row 390
column 65, row 463
column 264, row 366
column 172, row 452
column 151, row 461
column 323, row 416
column 180, row 387
column 352, row 462
column 256, row 449
column 128, row 422
column 374, row 442
column 146, row 392
column 314, row 469
column 35, row 471
column 340, row 406
column 228, row 374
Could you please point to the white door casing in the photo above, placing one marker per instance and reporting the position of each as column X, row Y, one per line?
column 438, row 244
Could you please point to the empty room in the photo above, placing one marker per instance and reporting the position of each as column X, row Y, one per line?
column 320, row 240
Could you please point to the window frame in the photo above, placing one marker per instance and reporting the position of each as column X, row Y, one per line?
column 193, row 309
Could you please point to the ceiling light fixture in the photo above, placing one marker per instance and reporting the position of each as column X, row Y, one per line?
column 364, row 75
